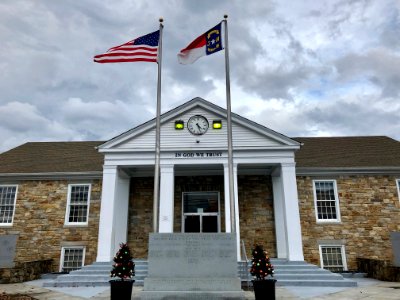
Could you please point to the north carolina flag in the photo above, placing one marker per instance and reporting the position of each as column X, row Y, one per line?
column 206, row 44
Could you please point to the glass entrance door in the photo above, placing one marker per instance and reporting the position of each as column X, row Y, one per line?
column 200, row 212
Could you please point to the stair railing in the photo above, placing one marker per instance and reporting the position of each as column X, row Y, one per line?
column 246, row 266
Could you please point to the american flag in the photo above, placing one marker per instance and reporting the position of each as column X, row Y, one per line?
column 143, row 48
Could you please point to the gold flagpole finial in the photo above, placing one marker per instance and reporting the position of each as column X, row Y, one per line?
column 161, row 20
column 225, row 17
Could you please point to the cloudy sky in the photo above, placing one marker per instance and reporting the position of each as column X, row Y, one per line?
column 302, row 68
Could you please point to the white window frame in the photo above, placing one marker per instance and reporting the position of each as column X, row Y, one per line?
column 343, row 253
column 68, row 209
column 338, row 217
column 75, row 248
column 398, row 187
column 14, row 204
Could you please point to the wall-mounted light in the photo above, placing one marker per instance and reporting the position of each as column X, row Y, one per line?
column 179, row 125
column 217, row 124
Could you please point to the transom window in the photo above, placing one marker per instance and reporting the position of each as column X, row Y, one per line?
column 78, row 204
column 8, row 195
column 333, row 258
column 326, row 200
column 72, row 258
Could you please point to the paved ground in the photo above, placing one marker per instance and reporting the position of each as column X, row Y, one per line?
column 367, row 289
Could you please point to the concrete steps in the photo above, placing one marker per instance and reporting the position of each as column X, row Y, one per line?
column 96, row 274
column 300, row 273
column 293, row 273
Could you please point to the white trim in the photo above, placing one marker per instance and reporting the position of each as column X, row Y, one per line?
column 67, row 212
column 398, row 187
column 14, row 204
column 52, row 175
column 342, row 250
column 306, row 171
column 337, row 206
column 71, row 247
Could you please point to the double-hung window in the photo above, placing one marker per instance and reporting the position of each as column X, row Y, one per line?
column 72, row 258
column 8, row 196
column 78, row 204
column 326, row 201
column 333, row 258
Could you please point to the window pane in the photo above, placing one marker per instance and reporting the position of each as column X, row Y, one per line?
column 325, row 200
column 73, row 259
column 332, row 258
column 210, row 223
column 7, row 200
column 192, row 223
column 78, row 206
column 205, row 202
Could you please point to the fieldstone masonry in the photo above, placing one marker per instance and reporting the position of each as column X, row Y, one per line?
column 369, row 208
column 39, row 222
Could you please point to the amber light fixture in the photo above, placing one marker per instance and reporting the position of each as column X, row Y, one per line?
column 217, row 124
column 179, row 125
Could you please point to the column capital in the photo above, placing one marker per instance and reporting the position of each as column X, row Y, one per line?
column 288, row 165
column 167, row 168
column 235, row 165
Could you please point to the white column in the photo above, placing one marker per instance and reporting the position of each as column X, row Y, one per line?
column 227, row 199
column 291, row 212
column 166, row 213
column 113, row 213
column 280, row 226
column 121, row 210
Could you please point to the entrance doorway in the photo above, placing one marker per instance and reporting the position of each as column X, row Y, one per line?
column 200, row 212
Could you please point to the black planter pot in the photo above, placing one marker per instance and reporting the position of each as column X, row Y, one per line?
column 121, row 290
column 264, row 289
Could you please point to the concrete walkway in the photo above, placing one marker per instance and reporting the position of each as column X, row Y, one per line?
column 367, row 289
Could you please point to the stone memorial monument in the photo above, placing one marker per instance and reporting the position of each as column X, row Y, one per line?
column 192, row 266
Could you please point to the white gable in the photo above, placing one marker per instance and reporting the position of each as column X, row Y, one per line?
column 246, row 134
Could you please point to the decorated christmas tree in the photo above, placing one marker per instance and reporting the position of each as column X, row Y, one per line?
column 261, row 265
column 123, row 266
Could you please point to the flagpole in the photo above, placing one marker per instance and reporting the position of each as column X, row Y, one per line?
column 158, row 135
column 229, row 121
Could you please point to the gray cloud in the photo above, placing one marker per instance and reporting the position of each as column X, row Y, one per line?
column 328, row 68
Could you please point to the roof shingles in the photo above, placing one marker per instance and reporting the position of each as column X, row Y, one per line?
column 316, row 152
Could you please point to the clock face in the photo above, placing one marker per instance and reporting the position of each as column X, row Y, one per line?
column 197, row 125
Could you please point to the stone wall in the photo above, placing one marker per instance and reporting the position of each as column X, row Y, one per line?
column 257, row 221
column 140, row 218
column 25, row 271
column 39, row 222
column 369, row 208
column 379, row 269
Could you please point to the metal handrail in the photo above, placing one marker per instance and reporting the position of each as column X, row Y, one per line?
column 244, row 257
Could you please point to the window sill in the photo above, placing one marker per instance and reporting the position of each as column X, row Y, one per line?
column 75, row 225
column 6, row 225
column 328, row 222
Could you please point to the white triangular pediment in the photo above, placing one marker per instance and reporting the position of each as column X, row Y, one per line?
column 246, row 134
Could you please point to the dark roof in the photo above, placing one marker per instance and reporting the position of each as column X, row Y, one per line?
column 348, row 152
column 48, row 157
column 317, row 152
